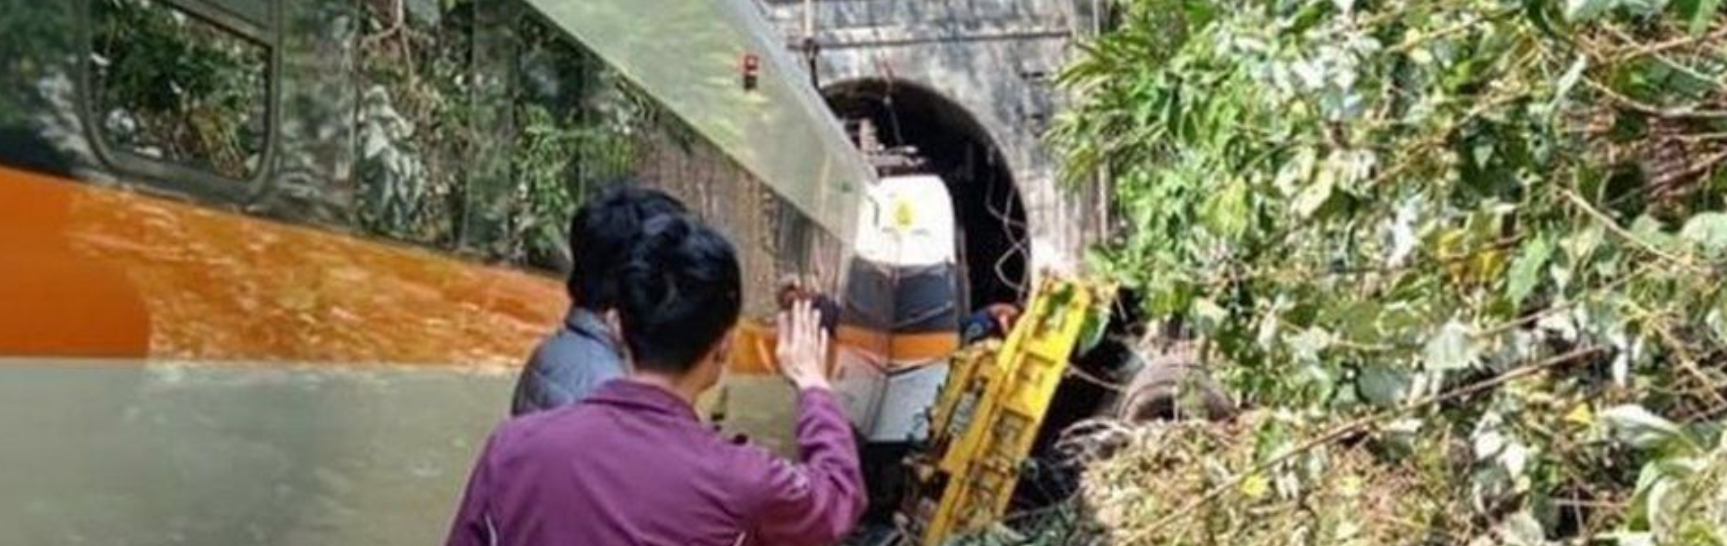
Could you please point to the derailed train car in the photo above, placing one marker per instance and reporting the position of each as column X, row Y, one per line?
column 905, row 247
column 267, row 266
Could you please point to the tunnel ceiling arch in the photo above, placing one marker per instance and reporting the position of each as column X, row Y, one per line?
column 912, row 101
column 994, row 246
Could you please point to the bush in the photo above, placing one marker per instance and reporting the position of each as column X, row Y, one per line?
column 1489, row 228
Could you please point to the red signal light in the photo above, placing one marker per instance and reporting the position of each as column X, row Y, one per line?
column 751, row 68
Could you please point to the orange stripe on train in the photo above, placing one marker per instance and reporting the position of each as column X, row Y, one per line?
column 98, row 272
column 87, row 271
column 752, row 348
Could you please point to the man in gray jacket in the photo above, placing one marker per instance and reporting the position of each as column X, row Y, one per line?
column 585, row 352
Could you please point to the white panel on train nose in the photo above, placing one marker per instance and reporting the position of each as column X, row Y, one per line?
column 907, row 221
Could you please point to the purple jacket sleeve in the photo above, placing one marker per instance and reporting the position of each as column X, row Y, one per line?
column 819, row 501
column 472, row 526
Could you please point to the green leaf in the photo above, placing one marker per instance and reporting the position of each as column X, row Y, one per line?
column 1450, row 349
column 1639, row 427
column 1208, row 314
column 1644, row 8
column 1296, row 170
column 1584, row 10
column 1383, row 385
column 1354, row 320
column 1483, row 154
column 1315, row 195
column 1632, row 538
column 1308, row 344
column 1525, row 272
column 1698, row 13
column 1650, row 231
column 1718, row 319
column 1580, row 247
column 1226, row 212
column 1256, row 486
column 1521, row 529
column 1569, row 80
column 1542, row 14
column 1708, row 230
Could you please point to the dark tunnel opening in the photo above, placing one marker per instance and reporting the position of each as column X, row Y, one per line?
column 993, row 247
column 994, row 250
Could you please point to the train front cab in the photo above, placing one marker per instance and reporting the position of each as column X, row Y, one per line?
column 905, row 248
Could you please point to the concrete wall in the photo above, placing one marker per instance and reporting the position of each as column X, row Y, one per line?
column 995, row 58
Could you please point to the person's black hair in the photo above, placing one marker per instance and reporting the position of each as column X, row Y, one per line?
column 679, row 293
column 601, row 235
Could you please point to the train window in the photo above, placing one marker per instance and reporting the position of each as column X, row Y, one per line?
column 173, row 87
column 313, row 158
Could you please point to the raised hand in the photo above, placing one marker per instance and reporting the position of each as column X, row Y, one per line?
column 803, row 346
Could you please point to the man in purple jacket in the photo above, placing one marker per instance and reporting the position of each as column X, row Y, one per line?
column 632, row 465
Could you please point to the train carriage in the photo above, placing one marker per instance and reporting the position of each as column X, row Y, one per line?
column 267, row 266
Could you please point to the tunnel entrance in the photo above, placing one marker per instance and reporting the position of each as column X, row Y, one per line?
column 993, row 246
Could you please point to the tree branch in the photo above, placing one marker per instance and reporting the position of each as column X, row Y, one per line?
column 1614, row 227
column 1651, row 110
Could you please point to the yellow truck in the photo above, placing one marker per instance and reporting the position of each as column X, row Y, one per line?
column 989, row 411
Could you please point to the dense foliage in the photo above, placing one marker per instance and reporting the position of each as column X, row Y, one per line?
column 1482, row 239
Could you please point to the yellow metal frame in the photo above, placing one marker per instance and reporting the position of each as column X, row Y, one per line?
column 988, row 414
